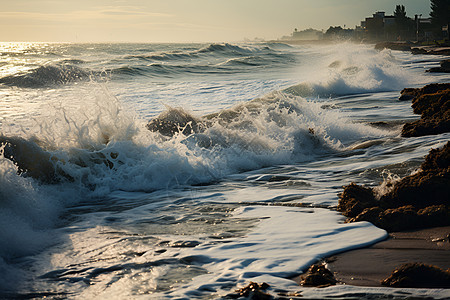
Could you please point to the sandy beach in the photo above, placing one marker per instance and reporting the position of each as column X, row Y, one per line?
column 369, row 266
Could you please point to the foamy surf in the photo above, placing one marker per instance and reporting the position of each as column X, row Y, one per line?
column 235, row 170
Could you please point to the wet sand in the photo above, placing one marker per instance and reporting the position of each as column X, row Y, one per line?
column 369, row 266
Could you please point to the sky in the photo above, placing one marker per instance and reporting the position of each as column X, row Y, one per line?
column 182, row 20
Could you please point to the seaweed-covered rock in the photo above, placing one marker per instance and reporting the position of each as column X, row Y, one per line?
column 355, row 199
column 434, row 216
column 428, row 89
column 371, row 215
column 418, row 275
column 432, row 102
column 318, row 276
column 253, row 291
column 417, row 201
column 398, row 219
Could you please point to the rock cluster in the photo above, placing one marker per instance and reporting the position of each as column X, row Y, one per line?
column 175, row 120
column 253, row 291
column 408, row 46
column 433, row 51
column 417, row 201
column 444, row 68
column 318, row 276
column 418, row 275
column 432, row 102
column 402, row 46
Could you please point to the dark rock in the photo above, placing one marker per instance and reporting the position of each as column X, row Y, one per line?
column 253, row 291
column 445, row 63
column 393, row 46
column 418, row 275
column 444, row 51
column 355, row 199
column 175, row 120
column 434, row 216
column 438, row 70
column 431, row 51
column 433, row 104
column 428, row 89
column 371, row 215
column 31, row 160
column 318, row 276
column 408, row 94
column 399, row 219
column 444, row 68
column 417, row 201
column 419, row 51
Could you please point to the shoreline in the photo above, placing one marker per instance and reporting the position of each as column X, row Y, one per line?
column 411, row 211
column 369, row 266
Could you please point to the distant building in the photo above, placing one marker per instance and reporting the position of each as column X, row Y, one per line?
column 307, row 34
column 374, row 26
column 385, row 27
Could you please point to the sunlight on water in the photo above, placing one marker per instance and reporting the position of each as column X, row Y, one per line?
column 185, row 170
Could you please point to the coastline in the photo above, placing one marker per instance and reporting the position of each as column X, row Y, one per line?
column 417, row 238
column 369, row 266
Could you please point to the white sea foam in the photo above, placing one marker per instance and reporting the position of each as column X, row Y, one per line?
column 271, row 252
column 125, row 194
column 348, row 69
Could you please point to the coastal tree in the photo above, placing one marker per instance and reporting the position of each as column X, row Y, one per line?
column 402, row 22
column 440, row 13
column 400, row 12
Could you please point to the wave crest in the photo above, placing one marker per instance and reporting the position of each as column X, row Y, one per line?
column 46, row 76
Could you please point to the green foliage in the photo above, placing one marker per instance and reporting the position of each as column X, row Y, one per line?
column 400, row 12
column 440, row 12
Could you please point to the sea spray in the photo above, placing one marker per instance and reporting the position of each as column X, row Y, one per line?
column 349, row 70
column 136, row 213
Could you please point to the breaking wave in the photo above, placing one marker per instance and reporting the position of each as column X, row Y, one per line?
column 355, row 72
column 47, row 76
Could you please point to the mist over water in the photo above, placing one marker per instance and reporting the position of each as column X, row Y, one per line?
column 93, row 204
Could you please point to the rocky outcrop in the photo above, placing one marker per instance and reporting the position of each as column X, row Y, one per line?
column 432, row 102
column 30, row 159
column 409, row 46
column 253, row 291
column 175, row 120
column 444, row 68
column 35, row 161
column 401, row 46
column 417, row 201
column 318, row 276
column 418, row 275
column 431, row 51
column 412, row 93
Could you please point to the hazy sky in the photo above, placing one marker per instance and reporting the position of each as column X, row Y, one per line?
column 182, row 20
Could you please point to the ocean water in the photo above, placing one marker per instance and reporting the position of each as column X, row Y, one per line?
column 94, row 205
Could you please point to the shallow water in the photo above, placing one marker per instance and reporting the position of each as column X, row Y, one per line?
column 120, row 211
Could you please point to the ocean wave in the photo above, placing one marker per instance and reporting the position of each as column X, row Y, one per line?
column 167, row 56
column 212, row 49
column 354, row 73
column 91, row 153
column 46, row 76
column 230, row 49
column 243, row 61
column 73, row 61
